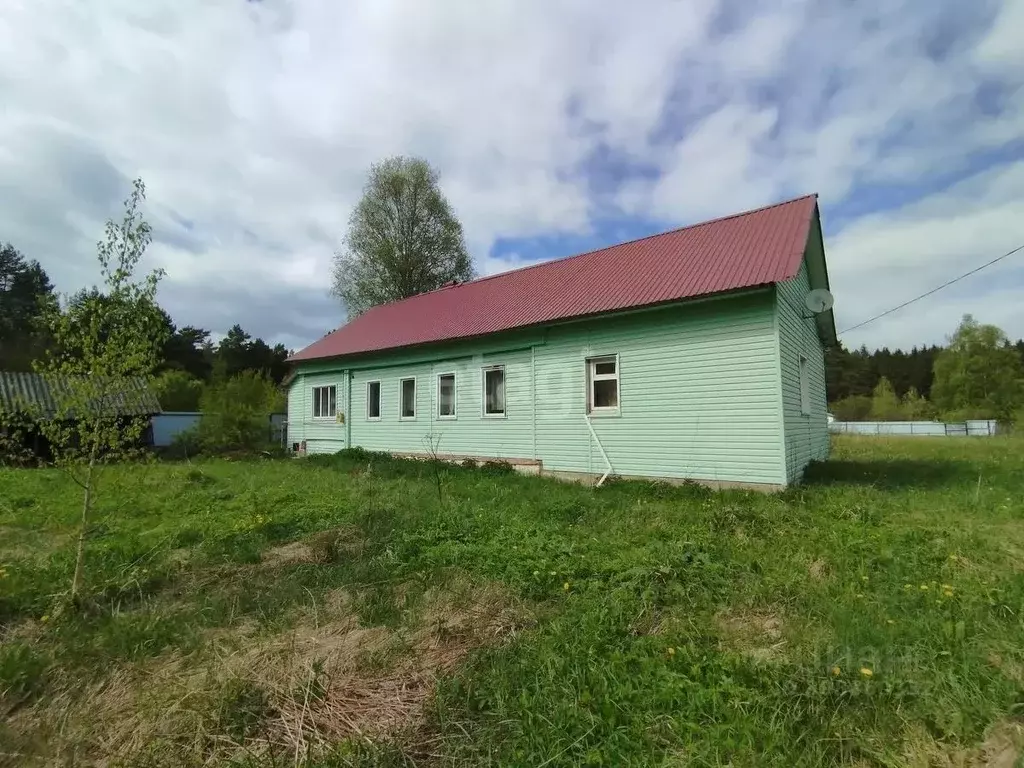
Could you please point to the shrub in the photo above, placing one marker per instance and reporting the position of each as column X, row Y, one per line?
column 177, row 391
column 916, row 407
column 1016, row 422
column 185, row 444
column 885, row 405
column 236, row 413
column 969, row 413
column 852, row 408
column 497, row 468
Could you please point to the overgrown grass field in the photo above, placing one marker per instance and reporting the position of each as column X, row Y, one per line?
column 341, row 611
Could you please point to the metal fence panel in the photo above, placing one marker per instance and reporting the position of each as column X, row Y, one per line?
column 979, row 427
column 167, row 426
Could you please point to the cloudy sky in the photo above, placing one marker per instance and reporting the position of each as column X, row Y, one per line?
column 557, row 127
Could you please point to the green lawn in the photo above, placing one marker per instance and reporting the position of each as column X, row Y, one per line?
column 335, row 611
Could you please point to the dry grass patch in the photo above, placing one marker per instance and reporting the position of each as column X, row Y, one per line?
column 819, row 570
column 1002, row 747
column 286, row 554
column 296, row 693
column 757, row 634
column 322, row 547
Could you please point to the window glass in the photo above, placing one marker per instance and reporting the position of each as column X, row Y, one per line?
column 373, row 400
column 446, row 395
column 602, row 384
column 408, row 398
column 494, row 391
column 805, row 388
column 325, row 402
column 606, row 393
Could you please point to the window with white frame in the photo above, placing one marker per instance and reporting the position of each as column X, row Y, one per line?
column 407, row 406
column 494, row 390
column 373, row 400
column 446, row 396
column 325, row 402
column 603, row 384
column 805, row 388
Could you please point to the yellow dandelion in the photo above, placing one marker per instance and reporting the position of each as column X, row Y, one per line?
column 924, row 587
column 948, row 586
column 566, row 586
column 948, row 592
column 554, row 573
column 45, row 617
column 889, row 621
column 859, row 595
column 536, row 573
column 670, row 651
column 952, row 556
column 907, row 586
column 866, row 672
column 836, row 671
column 864, row 578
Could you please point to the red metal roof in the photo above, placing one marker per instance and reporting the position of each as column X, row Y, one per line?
column 741, row 251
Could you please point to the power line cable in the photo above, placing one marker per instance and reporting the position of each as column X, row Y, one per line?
column 934, row 290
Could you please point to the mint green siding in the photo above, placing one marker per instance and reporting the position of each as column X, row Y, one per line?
column 321, row 435
column 697, row 390
column 469, row 433
column 805, row 434
column 699, row 394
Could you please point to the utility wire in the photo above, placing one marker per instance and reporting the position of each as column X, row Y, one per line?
column 934, row 290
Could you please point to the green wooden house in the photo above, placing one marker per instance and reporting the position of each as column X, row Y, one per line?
column 693, row 354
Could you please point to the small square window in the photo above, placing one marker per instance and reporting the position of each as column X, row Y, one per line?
column 373, row 400
column 446, row 396
column 494, row 391
column 408, row 404
column 325, row 402
column 603, row 384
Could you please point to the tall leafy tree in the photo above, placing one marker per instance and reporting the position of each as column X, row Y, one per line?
column 403, row 238
column 189, row 349
column 25, row 293
column 105, row 345
column 885, row 405
column 239, row 352
column 979, row 373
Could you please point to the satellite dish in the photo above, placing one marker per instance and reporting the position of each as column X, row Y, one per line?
column 819, row 300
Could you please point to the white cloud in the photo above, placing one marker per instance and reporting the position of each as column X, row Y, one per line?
column 1002, row 44
column 253, row 124
column 883, row 259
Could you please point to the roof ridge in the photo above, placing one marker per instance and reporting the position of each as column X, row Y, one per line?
column 592, row 251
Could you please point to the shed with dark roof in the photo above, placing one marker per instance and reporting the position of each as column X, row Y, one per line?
column 31, row 397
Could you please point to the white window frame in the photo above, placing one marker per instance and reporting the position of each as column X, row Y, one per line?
column 313, row 401
column 401, row 397
column 455, row 395
column 592, row 376
column 803, row 375
column 380, row 400
column 483, row 392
